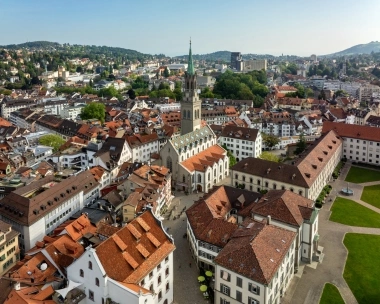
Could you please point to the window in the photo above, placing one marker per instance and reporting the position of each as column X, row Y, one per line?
column 254, row 288
column 224, row 301
column 243, row 178
column 167, row 286
column 81, row 273
column 266, row 184
column 258, row 182
column 97, row 282
column 238, row 296
column 252, row 301
column 166, row 272
column 158, row 267
column 236, row 176
column 160, row 296
column 225, row 275
column 166, row 259
column 150, row 274
column 251, row 180
column 89, row 265
column 225, row 289
column 239, row 282
column 159, row 280
column 151, row 287
column 91, row 295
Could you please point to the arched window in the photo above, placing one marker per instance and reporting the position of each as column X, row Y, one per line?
column 283, row 187
column 184, row 178
column 274, row 186
column 188, row 114
column 96, row 281
column 300, row 192
column 291, row 189
column 81, row 273
column 266, row 184
column 199, row 178
column 243, row 178
column 184, row 114
column 169, row 163
column 89, row 265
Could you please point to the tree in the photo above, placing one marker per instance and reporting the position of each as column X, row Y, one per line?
column 52, row 140
column 166, row 72
column 270, row 140
column 230, row 156
column 79, row 69
column 94, row 110
column 301, row 144
column 269, row 156
column 131, row 93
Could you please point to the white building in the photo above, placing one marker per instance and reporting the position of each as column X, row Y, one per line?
column 306, row 176
column 134, row 266
column 241, row 142
column 38, row 208
column 72, row 112
column 143, row 146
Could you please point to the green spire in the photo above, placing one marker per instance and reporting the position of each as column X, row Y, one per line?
column 190, row 66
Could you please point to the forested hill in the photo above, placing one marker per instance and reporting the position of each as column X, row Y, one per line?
column 77, row 49
column 225, row 56
column 368, row 48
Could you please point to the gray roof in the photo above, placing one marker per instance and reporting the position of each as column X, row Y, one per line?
column 189, row 138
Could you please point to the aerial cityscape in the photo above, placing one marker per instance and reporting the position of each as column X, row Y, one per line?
column 226, row 158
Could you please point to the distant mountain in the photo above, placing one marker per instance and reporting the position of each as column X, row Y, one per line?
column 224, row 56
column 76, row 48
column 368, row 48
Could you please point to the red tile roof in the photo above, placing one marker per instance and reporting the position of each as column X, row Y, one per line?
column 352, row 131
column 206, row 158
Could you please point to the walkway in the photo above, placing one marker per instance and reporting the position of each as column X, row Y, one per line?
column 309, row 289
column 186, row 286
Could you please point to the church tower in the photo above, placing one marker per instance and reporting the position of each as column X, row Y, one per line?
column 190, row 104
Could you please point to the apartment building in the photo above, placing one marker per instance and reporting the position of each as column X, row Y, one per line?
column 255, row 65
column 38, row 208
column 366, row 92
column 9, row 249
column 143, row 146
column 360, row 143
column 306, row 176
column 241, row 142
column 134, row 265
column 9, row 106
column 256, row 266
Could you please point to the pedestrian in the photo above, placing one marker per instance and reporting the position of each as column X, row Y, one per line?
column 190, row 264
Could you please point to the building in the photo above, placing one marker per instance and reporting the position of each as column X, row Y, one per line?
column 134, row 265
column 9, row 106
column 314, row 58
column 38, row 208
column 241, row 142
column 366, row 92
column 306, row 176
column 143, row 146
column 360, row 143
column 191, row 104
column 256, row 266
column 195, row 159
column 255, row 65
column 236, row 61
column 9, row 249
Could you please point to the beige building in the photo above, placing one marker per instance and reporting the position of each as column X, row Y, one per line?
column 306, row 176
column 9, row 250
column 255, row 65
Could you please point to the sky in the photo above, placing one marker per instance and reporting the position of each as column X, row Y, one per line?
column 293, row 27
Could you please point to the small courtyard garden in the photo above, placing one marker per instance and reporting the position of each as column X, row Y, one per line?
column 371, row 195
column 362, row 267
column 359, row 175
column 330, row 295
column 347, row 212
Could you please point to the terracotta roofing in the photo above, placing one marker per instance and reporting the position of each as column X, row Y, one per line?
column 114, row 198
column 138, row 139
column 240, row 133
column 123, row 261
column 256, row 250
column 207, row 217
column 31, row 295
column 352, row 131
column 284, row 206
column 274, row 171
column 77, row 228
column 106, row 229
column 205, row 159
column 27, row 204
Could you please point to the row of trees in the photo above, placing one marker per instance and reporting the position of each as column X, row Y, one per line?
column 249, row 86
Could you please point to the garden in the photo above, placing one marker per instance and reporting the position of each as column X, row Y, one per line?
column 348, row 212
column 330, row 295
column 362, row 267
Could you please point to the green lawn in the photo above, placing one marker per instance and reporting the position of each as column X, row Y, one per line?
column 348, row 212
column 331, row 295
column 362, row 267
column 371, row 195
column 360, row 175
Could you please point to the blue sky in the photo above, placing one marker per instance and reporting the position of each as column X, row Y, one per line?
column 299, row 27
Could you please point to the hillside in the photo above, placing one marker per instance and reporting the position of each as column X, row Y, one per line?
column 75, row 48
column 224, row 56
column 373, row 46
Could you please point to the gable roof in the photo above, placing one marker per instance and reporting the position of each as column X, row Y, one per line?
column 201, row 161
column 256, row 250
column 352, row 131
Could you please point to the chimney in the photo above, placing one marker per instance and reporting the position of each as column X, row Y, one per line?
column 269, row 220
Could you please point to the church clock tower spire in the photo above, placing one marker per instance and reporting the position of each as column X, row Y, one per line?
column 190, row 105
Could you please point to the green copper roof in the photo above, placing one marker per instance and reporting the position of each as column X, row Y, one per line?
column 190, row 66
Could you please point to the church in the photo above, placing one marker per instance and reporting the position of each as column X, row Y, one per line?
column 195, row 159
